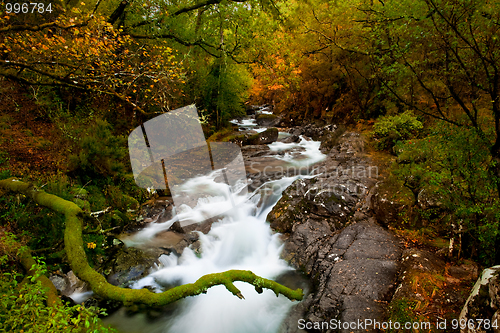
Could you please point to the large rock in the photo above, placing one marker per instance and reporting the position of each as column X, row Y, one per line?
column 268, row 136
column 330, row 235
column 254, row 151
column 68, row 283
column 354, row 270
column 130, row 264
column 267, row 120
column 313, row 131
column 386, row 209
column 483, row 303
column 251, row 109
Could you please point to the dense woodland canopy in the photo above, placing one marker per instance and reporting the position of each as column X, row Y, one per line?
column 424, row 73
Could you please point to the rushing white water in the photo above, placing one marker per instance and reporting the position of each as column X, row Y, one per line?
column 241, row 239
column 80, row 297
column 262, row 111
column 245, row 122
column 302, row 153
column 249, row 124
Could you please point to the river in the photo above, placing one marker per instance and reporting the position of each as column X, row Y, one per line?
column 240, row 239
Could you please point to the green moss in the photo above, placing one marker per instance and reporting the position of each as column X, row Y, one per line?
column 220, row 135
column 83, row 204
column 266, row 116
column 401, row 311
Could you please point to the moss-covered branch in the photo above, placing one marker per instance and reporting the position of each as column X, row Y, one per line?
column 29, row 264
column 78, row 261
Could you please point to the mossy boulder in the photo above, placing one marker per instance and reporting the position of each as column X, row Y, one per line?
column 268, row 136
column 130, row 264
column 288, row 212
column 388, row 202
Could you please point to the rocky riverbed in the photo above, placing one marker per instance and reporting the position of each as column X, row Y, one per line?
column 330, row 234
column 333, row 223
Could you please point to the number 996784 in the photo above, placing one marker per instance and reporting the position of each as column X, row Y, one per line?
column 28, row 7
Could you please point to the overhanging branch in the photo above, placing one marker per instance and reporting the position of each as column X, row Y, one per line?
column 66, row 82
column 27, row 27
column 201, row 5
column 79, row 264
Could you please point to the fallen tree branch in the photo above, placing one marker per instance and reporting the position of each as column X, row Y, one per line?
column 104, row 211
column 79, row 264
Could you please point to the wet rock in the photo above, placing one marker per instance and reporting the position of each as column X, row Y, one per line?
column 179, row 248
column 318, row 133
column 251, row 109
column 196, row 246
column 267, row 120
column 253, row 138
column 130, row 264
column 484, row 302
column 290, row 139
column 330, row 234
column 292, row 208
column 341, row 183
column 176, row 227
column 254, row 151
column 203, row 227
column 268, row 136
column 384, row 208
column 354, row 269
column 157, row 210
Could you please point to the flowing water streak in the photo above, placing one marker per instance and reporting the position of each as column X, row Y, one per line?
column 307, row 153
column 242, row 239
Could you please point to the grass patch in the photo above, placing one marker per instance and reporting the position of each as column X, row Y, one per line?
column 220, row 135
column 43, row 143
column 4, row 157
column 6, row 122
column 401, row 311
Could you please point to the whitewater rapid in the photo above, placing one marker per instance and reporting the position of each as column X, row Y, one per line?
column 240, row 239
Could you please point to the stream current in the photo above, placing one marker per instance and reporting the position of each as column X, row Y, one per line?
column 240, row 239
